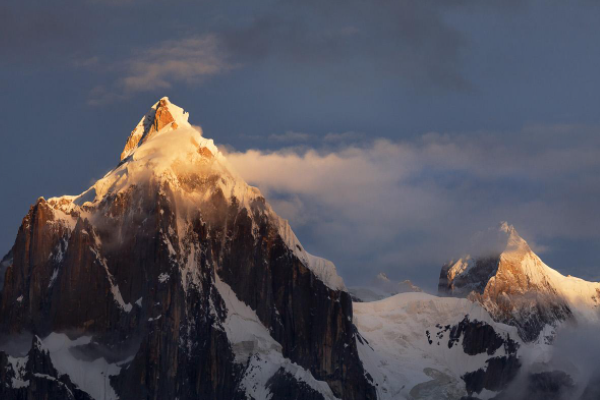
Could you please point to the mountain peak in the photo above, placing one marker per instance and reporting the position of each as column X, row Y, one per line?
column 163, row 114
column 166, row 150
column 511, row 244
column 383, row 277
column 510, row 278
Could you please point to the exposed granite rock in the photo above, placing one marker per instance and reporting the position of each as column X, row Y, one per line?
column 479, row 337
column 119, row 277
column 4, row 264
column 499, row 372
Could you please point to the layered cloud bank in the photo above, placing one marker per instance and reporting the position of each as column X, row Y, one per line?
column 391, row 205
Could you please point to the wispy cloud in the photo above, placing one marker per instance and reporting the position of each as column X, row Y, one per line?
column 407, row 39
column 190, row 60
column 351, row 136
column 396, row 204
column 42, row 34
column 291, row 136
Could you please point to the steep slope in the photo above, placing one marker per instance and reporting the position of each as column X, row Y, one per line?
column 180, row 279
column 517, row 288
column 381, row 287
column 419, row 346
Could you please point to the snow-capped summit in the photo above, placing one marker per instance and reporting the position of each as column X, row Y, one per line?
column 165, row 149
column 516, row 287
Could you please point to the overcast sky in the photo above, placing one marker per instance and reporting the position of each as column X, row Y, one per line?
column 387, row 132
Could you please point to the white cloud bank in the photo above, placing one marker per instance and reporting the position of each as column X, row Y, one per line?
column 403, row 206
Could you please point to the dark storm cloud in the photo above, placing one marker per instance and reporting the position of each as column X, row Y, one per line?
column 351, row 40
column 41, row 31
column 404, row 38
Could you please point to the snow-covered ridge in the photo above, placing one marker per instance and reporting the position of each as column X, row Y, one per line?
column 406, row 349
column 381, row 287
column 164, row 146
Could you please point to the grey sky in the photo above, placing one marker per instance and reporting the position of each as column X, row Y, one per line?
column 488, row 110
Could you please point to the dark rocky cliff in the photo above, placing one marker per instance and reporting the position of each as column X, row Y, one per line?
column 136, row 270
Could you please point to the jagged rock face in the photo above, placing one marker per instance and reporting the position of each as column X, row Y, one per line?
column 517, row 288
column 477, row 337
column 461, row 285
column 142, row 262
column 35, row 378
column 289, row 301
column 283, row 386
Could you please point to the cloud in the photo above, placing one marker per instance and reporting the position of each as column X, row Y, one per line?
column 343, row 137
column 290, row 136
column 410, row 39
column 38, row 33
column 189, row 60
column 404, row 205
column 569, row 371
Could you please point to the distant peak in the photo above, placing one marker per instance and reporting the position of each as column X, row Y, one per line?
column 163, row 114
column 382, row 276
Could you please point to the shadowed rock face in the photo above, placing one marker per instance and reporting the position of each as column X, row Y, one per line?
column 499, row 372
column 283, row 386
column 38, row 378
column 6, row 261
column 461, row 285
column 141, row 279
column 479, row 337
